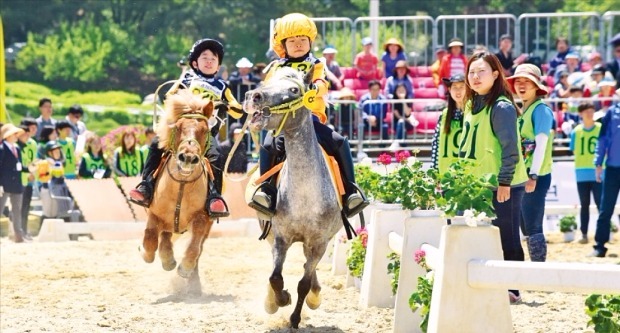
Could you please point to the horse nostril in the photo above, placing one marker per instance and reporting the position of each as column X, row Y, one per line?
column 181, row 157
column 257, row 97
column 194, row 159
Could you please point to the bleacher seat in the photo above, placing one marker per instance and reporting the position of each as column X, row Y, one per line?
column 349, row 72
column 429, row 104
column 422, row 82
column 359, row 93
column 427, row 93
column 548, row 80
column 420, row 71
column 427, row 121
column 355, row 84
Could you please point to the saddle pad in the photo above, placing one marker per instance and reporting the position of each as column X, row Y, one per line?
column 334, row 174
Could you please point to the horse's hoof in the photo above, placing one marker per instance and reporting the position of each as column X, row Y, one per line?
column 184, row 273
column 287, row 298
column 313, row 300
column 295, row 319
column 148, row 258
column 170, row 265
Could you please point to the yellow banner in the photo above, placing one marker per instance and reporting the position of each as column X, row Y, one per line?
column 2, row 78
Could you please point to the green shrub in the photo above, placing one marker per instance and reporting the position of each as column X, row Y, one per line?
column 604, row 311
column 28, row 91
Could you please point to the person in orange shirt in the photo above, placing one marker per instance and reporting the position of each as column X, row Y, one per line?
column 454, row 62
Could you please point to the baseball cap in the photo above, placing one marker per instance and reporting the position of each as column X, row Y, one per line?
column 366, row 41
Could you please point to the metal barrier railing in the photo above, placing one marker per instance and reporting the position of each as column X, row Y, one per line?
column 611, row 26
column 539, row 31
column 474, row 30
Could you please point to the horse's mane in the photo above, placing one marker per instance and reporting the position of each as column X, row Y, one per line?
column 184, row 101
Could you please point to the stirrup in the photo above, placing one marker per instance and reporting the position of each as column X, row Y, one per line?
column 216, row 215
column 146, row 201
column 357, row 208
column 269, row 191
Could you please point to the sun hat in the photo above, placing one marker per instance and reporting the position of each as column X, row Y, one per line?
column 244, row 63
column 10, row 129
column 455, row 42
column 393, row 41
column 505, row 36
column 344, row 93
column 530, row 72
column 594, row 55
column 448, row 81
column 366, row 41
column 572, row 55
column 330, row 50
column 607, row 83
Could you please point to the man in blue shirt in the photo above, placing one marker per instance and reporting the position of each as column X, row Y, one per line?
column 374, row 109
column 608, row 150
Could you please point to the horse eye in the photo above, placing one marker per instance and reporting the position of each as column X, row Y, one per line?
column 294, row 90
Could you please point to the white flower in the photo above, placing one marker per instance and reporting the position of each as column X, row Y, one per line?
column 470, row 218
column 482, row 216
column 411, row 160
column 366, row 161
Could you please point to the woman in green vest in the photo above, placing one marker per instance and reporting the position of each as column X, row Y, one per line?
column 127, row 157
column 93, row 164
column 536, row 126
column 446, row 140
column 491, row 140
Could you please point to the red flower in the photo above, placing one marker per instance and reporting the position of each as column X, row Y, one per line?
column 385, row 159
column 362, row 234
column 419, row 256
column 402, row 156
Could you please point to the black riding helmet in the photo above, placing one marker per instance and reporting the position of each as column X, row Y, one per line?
column 51, row 145
column 206, row 44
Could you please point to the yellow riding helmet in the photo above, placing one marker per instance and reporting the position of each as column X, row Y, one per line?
column 292, row 25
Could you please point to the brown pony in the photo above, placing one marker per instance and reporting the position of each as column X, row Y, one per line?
column 182, row 185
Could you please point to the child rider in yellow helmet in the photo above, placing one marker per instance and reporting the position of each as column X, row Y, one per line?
column 292, row 40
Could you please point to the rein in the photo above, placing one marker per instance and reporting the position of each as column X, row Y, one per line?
column 182, row 182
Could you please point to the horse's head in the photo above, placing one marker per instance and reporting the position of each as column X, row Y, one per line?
column 271, row 103
column 185, row 129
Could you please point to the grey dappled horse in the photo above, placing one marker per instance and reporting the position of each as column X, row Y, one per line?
column 307, row 208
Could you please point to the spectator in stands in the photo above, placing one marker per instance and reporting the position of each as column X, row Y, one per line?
column 505, row 55
column 45, row 119
column 607, row 88
column 591, row 80
column 74, row 115
column 11, row 187
column 454, row 62
column 563, row 48
column 594, row 59
column 402, row 115
column 536, row 128
column 258, row 70
column 239, row 160
column 400, row 74
column 572, row 67
column 67, row 145
column 127, row 160
column 243, row 79
column 93, row 163
column 333, row 73
column 345, row 114
column 608, row 152
column 394, row 52
column 47, row 133
column 440, row 52
column 28, row 147
column 613, row 66
column 366, row 62
column 374, row 110
column 445, row 146
column 580, row 144
column 494, row 147
column 560, row 90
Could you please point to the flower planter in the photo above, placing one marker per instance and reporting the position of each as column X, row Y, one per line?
column 569, row 236
column 425, row 213
column 357, row 282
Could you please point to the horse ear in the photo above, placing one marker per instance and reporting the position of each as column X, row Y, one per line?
column 308, row 76
column 207, row 109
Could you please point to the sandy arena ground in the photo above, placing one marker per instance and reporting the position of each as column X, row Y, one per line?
column 104, row 286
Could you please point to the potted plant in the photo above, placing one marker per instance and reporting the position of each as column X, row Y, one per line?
column 357, row 255
column 568, row 226
column 420, row 299
column 462, row 193
column 393, row 270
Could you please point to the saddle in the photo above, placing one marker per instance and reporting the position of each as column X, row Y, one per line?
column 333, row 172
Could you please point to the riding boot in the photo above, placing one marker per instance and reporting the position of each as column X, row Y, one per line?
column 264, row 199
column 215, row 205
column 537, row 246
column 143, row 193
column 354, row 199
